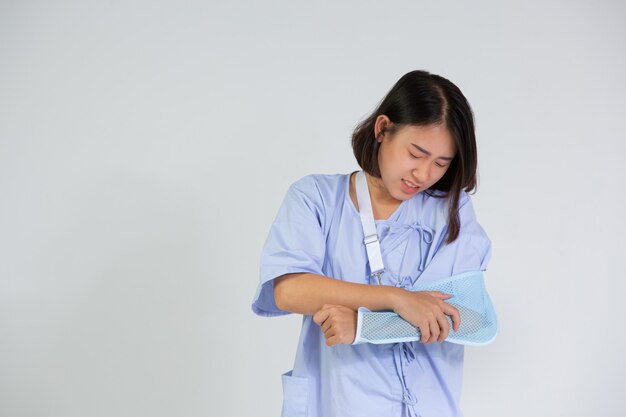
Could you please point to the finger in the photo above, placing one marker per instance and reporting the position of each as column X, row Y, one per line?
column 425, row 330
column 321, row 316
column 439, row 294
column 326, row 325
column 434, row 330
column 444, row 325
column 332, row 332
column 454, row 314
column 332, row 341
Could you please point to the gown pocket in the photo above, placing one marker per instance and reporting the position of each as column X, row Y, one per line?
column 295, row 395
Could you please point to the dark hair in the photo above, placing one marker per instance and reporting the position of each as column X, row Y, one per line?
column 421, row 98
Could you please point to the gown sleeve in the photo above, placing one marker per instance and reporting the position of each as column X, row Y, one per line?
column 295, row 243
column 470, row 253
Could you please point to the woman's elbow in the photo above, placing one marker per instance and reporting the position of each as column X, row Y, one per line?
column 280, row 293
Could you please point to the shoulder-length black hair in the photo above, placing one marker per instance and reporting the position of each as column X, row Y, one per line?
column 421, row 98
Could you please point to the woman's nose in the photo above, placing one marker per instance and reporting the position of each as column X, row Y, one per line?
column 421, row 174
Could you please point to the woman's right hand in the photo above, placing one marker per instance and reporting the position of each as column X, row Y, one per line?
column 427, row 311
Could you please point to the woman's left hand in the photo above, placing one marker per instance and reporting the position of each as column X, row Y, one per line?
column 338, row 324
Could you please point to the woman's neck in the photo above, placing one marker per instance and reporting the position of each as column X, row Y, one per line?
column 381, row 210
column 378, row 192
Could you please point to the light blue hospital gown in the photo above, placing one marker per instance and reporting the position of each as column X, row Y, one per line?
column 318, row 230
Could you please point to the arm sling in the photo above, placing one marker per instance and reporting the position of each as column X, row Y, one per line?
column 479, row 324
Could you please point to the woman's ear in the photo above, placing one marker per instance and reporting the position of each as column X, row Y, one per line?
column 380, row 127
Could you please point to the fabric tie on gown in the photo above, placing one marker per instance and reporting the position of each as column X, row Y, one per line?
column 403, row 354
column 395, row 233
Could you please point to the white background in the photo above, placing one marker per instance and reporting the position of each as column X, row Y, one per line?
column 145, row 147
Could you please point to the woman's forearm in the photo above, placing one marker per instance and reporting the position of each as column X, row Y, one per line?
column 306, row 293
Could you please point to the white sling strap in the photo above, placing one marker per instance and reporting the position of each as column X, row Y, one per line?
column 369, row 226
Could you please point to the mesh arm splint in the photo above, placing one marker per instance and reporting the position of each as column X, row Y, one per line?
column 479, row 324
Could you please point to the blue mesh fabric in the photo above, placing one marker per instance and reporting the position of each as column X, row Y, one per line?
column 479, row 324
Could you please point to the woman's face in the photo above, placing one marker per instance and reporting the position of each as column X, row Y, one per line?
column 413, row 158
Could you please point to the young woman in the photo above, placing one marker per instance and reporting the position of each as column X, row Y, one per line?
column 417, row 152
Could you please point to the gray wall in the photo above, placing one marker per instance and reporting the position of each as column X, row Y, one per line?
column 145, row 147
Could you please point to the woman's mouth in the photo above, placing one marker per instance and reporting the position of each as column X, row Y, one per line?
column 409, row 187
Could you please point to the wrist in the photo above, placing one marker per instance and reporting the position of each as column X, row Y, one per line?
column 394, row 298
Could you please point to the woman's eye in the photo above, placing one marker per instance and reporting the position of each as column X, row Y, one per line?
column 417, row 157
